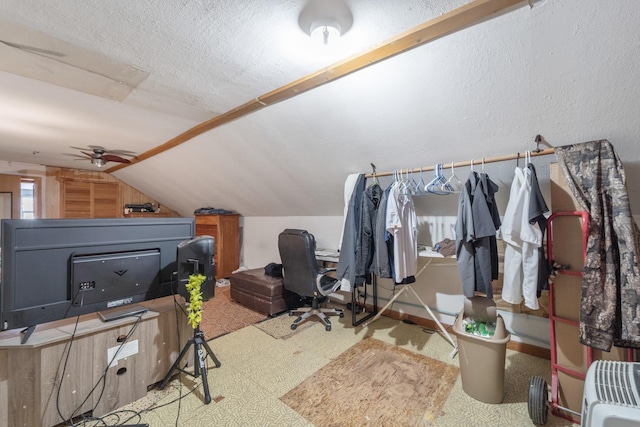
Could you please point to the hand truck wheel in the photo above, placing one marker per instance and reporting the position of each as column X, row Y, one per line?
column 538, row 402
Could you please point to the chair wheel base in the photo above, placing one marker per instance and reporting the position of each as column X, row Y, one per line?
column 294, row 326
column 327, row 328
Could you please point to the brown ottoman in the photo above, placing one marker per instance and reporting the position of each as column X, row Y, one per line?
column 262, row 293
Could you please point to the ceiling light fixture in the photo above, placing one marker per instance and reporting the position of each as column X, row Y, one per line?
column 98, row 161
column 325, row 31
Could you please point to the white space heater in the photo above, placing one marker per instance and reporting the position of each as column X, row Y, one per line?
column 611, row 395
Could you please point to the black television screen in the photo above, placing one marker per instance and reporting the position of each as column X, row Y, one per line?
column 57, row 268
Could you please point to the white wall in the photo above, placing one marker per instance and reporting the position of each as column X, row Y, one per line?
column 260, row 236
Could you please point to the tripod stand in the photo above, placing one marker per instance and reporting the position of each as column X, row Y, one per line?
column 199, row 368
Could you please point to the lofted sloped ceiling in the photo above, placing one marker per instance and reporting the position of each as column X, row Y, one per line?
column 564, row 69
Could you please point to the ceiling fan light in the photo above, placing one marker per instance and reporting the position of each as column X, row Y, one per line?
column 99, row 162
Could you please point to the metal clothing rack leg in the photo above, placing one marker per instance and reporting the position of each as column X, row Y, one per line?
column 426, row 307
column 354, row 302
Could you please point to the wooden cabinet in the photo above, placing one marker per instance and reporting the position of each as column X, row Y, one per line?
column 74, row 193
column 226, row 230
column 85, row 199
column 33, row 385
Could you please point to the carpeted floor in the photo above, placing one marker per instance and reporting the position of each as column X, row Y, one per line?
column 258, row 370
column 222, row 315
column 280, row 327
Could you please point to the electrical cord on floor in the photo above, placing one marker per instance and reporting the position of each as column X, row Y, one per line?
column 178, row 308
column 64, row 369
column 136, row 416
column 66, row 359
column 102, row 379
column 184, row 311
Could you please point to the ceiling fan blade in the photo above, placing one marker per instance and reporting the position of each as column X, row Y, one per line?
column 89, row 155
column 122, row 153
column 112, row 158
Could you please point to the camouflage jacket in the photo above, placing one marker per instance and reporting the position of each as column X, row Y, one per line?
column 610, row 304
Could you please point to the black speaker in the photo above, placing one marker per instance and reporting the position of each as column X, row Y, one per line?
column 195, row 256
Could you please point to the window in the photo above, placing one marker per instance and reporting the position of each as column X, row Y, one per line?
column 27, row 198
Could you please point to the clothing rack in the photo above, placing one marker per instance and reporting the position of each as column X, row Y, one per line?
column 534, row 153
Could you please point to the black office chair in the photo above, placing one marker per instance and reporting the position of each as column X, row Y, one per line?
column 302, row 275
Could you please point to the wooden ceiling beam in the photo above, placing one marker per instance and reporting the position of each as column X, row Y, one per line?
column 458, row 19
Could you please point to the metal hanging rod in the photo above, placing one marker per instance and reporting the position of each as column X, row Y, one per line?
column 533, row 153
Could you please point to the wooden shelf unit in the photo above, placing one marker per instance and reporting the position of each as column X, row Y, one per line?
column 147, row 215
column 225, row 229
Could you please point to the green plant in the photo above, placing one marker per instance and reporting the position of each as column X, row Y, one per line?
column 195, row 299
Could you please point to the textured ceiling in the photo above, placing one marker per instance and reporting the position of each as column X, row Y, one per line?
column 566, row 70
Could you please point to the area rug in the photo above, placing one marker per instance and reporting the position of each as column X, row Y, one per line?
column 374, row 384
column 222, row 315
column 280, row 327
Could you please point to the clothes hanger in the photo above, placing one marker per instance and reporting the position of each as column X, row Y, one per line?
column 402, row 185
column 453, row 182
column 438, row 184
column 410, row 185
column 394, row 184
column 406, row 183
column 373, row 174
column 444, row 183
column 421, row 184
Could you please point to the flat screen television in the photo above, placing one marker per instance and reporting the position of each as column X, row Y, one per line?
column 57, row 268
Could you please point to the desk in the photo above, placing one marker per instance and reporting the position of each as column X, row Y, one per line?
column 327, row 256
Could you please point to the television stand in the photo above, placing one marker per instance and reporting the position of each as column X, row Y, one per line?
column 33, row 403
column 26, row 333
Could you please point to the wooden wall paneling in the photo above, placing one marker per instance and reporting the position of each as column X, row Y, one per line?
column 108, row 195
column 51, row 194
column 132, row 196
column 11, row 183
